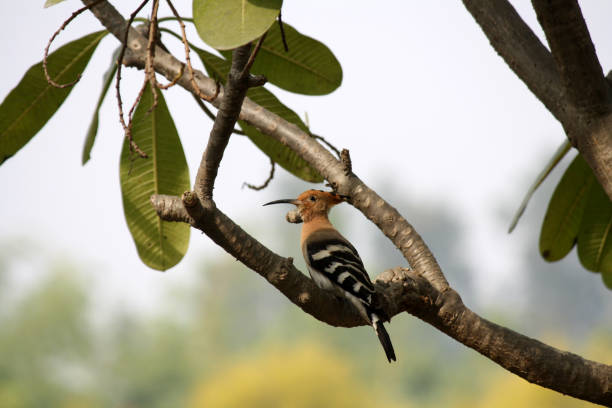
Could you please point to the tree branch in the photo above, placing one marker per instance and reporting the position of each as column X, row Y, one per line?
column 516, row 43
column 423, row 291
column 229, row 109
column 574, row 54
column 584, row 83
column 571, row 85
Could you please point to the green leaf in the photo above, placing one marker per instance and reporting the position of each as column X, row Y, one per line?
column 107, row 79
column 216, row 67
column 279, row 153
column 595, row 236
column 50, row 3
column 559, row 154
column 160, row 244
column 308, row 68
column 33, row 101
column 607, row 278
column 227, row 24
column 565, row 211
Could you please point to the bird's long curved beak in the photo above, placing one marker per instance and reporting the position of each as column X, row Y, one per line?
column 284, row 201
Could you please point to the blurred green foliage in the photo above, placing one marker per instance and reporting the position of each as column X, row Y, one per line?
column 229, row 340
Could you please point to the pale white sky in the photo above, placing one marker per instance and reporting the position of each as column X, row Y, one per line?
column 426, row 106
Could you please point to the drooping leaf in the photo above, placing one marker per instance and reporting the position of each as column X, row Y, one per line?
column 565, row 211
column 595, row 236
column 227, row 24
column 107, row 79
column 160, row 244
column 281, row 154
column 308, row 68
column 33, row 101
column 50, row 3
column 559, row 154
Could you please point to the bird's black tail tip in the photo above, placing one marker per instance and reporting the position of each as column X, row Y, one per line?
column 383, row 336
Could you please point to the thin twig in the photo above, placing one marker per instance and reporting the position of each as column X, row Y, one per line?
column 163, row 47
column 268, row 180
column 251, row 60
column 195, row 87
column 126, row 127
column 174, row 81
column 128, row 133
column 331, row 146
column 138, row 97
column 149, row 71
column 55, row 34
column 282, row 30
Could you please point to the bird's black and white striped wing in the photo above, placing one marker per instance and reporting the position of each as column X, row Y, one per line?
column 335, row 259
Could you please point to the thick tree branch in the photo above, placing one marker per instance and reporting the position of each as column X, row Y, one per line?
column 584, row 83
column 423, row 291
column 516, row 43
column 571, row 85
column 574, row 54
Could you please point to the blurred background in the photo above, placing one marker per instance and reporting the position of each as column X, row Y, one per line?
column 435, row 122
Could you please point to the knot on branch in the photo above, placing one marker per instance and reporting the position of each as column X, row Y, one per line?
column 132, row 59
column 196, row 208
column 283, row 271
column 190, row 199
column 256, row 80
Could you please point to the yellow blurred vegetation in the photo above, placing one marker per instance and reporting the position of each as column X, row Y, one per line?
column 510, row 391
column 306, row 375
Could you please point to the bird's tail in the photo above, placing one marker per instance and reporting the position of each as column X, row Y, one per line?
column 383, row 336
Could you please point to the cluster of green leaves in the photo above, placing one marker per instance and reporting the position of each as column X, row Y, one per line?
column 579, row 213
column 308, row 67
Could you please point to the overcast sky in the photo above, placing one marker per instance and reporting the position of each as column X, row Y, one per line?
column 426, row 108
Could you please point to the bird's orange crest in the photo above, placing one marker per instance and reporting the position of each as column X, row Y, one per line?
column 316, row 203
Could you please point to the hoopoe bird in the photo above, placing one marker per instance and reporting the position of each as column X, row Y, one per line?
column 334, row 263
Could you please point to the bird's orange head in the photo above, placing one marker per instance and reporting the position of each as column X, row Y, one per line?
column 313, row 203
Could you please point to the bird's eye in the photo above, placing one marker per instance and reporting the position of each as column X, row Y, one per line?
column 313, row 198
